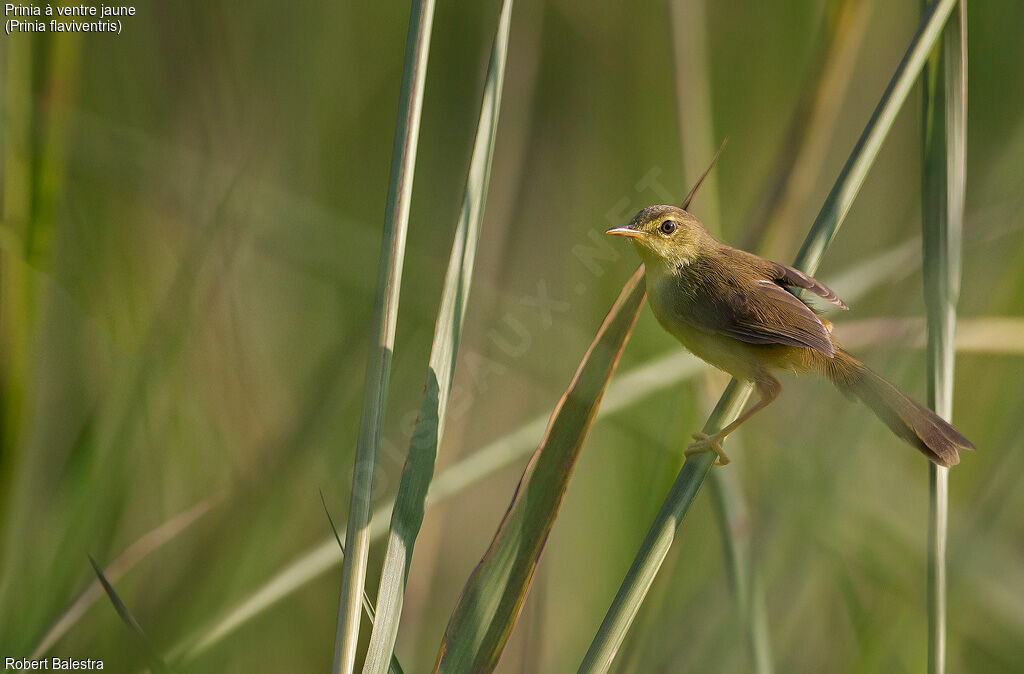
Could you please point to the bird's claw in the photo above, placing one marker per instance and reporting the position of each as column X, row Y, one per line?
column 707, row 443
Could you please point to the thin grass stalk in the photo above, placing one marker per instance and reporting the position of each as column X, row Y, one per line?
column 733, row 520
column 693, row 96
column 394, row 666
column 396, row 221
column 418, row 472
column 944, row 155
column 851, row 178
column 662, row 532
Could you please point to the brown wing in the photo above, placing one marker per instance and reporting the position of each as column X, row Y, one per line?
column 787, row 276
column 764, row 313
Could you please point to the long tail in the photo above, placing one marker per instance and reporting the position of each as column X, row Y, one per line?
column 906, row 417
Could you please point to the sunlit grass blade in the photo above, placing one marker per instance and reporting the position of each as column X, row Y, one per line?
column 855, row 170
column 983, row 335
column 394, row 666
column 944, row 174
column 410, row 501
column 662, row 532
column 693, row 99
column 382, row 339
column 493, row 596
column 129, row 620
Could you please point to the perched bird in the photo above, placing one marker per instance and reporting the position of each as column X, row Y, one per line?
column 732, row 309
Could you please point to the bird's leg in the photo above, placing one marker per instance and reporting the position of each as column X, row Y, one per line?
column 768, row 387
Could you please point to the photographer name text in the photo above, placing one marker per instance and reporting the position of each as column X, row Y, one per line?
column 50, row 664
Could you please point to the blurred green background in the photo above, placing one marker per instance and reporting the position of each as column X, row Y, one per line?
column 191, row 219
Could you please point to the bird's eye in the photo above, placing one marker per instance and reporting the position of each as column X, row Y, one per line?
column 668, row 227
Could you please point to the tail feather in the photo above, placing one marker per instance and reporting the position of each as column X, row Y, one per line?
column 907, row 418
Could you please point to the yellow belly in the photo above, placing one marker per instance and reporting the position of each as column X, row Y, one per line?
column 740, row 359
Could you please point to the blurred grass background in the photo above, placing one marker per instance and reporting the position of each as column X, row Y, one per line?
column 191, row 217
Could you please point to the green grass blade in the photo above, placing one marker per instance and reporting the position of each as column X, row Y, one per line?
column 389, row 280
column 734, row 526
column 418, row 472
column 129, row 620
column 662, row 532
column 493, row 596
column 394, row 666
column 659, row 538
column 851, row 178
column 944, row 155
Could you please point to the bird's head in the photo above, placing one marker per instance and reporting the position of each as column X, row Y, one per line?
column 664, row 236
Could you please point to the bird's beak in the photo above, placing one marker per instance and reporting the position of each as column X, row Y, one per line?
column 625, row 231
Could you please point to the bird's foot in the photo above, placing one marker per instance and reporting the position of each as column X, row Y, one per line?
column 707, row 443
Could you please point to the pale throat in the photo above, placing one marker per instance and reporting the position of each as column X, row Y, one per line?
column 660, row 266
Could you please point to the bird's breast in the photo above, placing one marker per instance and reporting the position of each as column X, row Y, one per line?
column 674, row 308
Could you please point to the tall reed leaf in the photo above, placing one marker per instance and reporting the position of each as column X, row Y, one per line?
column 662, row 532
column 944, row 150
column 389, row 280
column 410, row 501
column 493, row 597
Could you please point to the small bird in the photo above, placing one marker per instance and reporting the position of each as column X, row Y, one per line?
column 732, row 309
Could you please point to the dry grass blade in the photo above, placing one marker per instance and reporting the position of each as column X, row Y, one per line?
column 662, row 532
column 944, row 155
column 493, row 596
column 126, row 615
column 700, row 181
column 418, row 472
column 396, row 220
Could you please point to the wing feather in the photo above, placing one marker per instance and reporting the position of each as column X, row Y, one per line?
column 788, row 276
column 768, row 314
column 745, row 299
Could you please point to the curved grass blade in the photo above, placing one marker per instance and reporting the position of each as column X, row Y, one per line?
column 389, row 281
column 410, row 501
column 662, row 532
column 126, row 615
column 493, row 596
column 944, row 155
